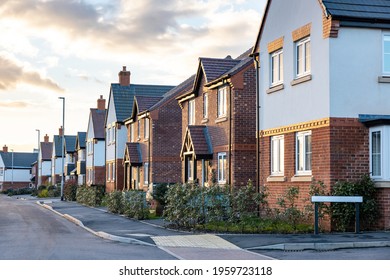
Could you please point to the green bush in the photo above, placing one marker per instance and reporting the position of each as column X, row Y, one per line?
column 90, row 195
column 135, row 205
column 343, row 214
column 70, row 190
column 115, row 202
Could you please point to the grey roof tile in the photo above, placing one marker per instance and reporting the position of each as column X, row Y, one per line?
column 18, row 160
column 98, row 119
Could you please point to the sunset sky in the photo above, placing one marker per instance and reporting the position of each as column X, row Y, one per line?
column 75, row 49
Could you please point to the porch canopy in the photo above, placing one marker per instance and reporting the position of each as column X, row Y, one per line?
column 197, row 142
column 133, row 154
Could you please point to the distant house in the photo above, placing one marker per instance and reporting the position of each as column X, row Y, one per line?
column 78, row 172
column 152, row 152
column 119, row 109
column 95, row 146
column 69, row 157
column 324, row 85
column 15, row 169
column 44, row 161
column 218, row 123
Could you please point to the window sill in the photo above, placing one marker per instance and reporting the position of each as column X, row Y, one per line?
column 276, row 178
column 384, row 79
column 221, row 119
column 275, row 88
column 382, row 184
column 301, row 80
column 302, row 178
column 205, row 120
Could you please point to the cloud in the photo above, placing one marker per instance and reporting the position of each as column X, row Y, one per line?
column 12, row 74
column 14, row 104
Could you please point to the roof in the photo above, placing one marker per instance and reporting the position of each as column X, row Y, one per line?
column 124, row 95
column 133, row 154
column 18, row 160
column 70, row 144
column 358, row 9
column 176, row 91
column 197, row 140
column 213, row 68
column 357, row 13
column 145, row 102
column 98, row 119
column 81, row 136
column 46, row 150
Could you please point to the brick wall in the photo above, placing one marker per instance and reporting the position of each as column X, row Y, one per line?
column 99, row 175
column 383, row 199
column 15, row 185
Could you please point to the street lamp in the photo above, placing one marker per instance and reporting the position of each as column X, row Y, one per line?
column 38, row 176
column 12, row 167
column 63, row 147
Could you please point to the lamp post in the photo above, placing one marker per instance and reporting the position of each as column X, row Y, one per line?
column 38, row 176
column 12, row 167
column 63, row 147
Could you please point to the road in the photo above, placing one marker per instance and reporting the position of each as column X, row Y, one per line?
column 29, row 232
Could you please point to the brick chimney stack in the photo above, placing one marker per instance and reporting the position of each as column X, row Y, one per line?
column 60, row 131
column 5, row 149
column 46, row 138
column 124, row 77
column 101, row 103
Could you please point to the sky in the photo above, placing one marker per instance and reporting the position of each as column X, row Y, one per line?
column 75, row 49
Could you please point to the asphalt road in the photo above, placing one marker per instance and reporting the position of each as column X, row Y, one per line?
column 29, row 232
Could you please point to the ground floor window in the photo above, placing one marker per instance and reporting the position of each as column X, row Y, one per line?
column 277, row 155
column 303, row 153
column 146, row 173
column 222, row 168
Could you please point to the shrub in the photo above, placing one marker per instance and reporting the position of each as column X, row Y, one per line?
column 115, row 202
column 290, row 211
column 343, row 214
column 135, row 205
column 90, row 195
column 70, row 190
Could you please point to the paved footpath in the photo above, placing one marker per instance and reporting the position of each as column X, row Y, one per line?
column 195, row 246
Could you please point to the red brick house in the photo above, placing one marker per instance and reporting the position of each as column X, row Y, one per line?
column 154, row 140
column 323, row 96
column 218, row 123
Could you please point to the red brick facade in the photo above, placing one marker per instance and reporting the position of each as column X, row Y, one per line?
column 340, row 152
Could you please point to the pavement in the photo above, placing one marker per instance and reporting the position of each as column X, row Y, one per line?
column 190, row 245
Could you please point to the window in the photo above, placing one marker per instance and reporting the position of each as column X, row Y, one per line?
column 109, row 172
column 222, row 168
column 108, row 135
column 303, row 57
column 303, row 153
column 146, row 128
column 146, row 173
column 222, row 102
column 277, row 67
column 132, row 132
column 376, row 153
column 190, row 168
column 139, row 129
column 191, row 112
column 277, row 155
column 113, row 130
column 386, row 54
column 205, row 106
column 113, row 171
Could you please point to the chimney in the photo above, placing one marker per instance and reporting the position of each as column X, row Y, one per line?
column 46, row 138
column 60, row 131
column 101, row 103
column 5, row 149
column 124, row 77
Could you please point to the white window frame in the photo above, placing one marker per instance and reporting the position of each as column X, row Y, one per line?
column 132, row 132
column 109, row 172
column 276, row 61
column 205, row 105
column 139, row 129
column 146, row 173
column 373, row 172
column 277, row 155
column 306, row 60
column 222, row 168
column 191, row 112
column 113, row 133
column 386, row 54
column 146, row 128
column 301, row 153
column 113, row 171
column 108, row 135
column 222, row 102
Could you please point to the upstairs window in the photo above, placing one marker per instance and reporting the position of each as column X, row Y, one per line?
column 386, row 54
column 205, row 106
column 132, row 132
column 146, row 128
column 277, row 67
column 139, row 130
column 222, row 102
column 191, row 112
column 303, row 57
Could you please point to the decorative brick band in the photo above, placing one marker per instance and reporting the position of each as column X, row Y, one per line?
column 296, row 127
column 275, row 45
column 301, row 32
column 330, row 27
